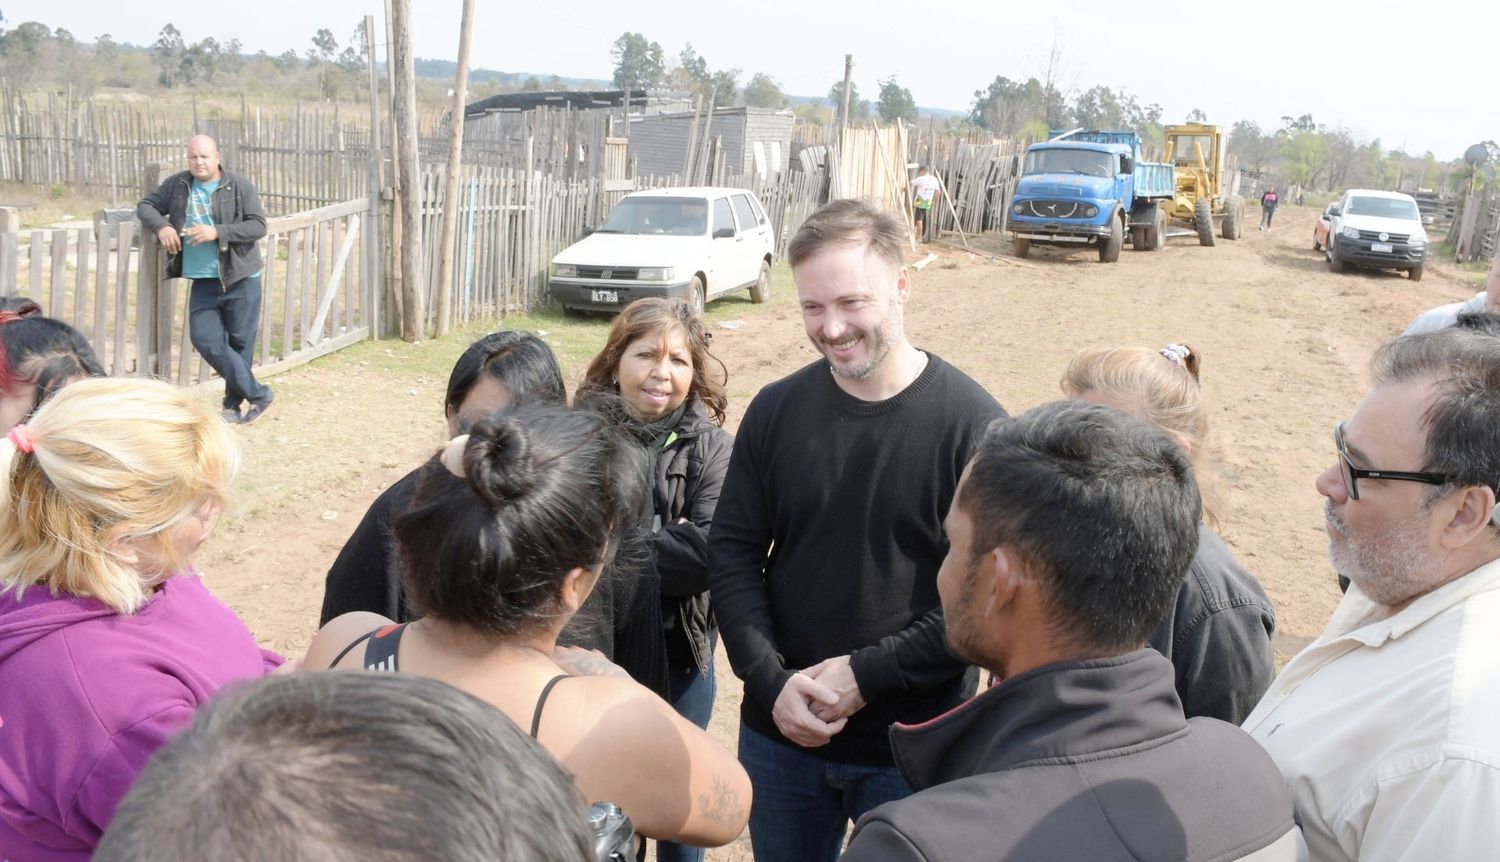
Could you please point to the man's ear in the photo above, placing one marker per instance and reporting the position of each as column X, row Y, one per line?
column 1473, row 514
column 1001, row 579
column 903, row 284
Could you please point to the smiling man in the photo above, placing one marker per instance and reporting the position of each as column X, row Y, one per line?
column 824, row 551
column 1385, row 727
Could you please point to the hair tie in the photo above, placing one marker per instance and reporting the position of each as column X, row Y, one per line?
column 8, row 317
column 453, row 455
column 21, row 437
column 1176, row 353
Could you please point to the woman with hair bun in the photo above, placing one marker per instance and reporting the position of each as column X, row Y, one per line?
column 108, row 639
column 1218, row 633
column 38, row 356
column 507, row 535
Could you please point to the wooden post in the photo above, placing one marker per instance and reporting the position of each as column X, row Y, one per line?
column 369, row 274
column 844, row 108
column 451, row 208
column 408, row 168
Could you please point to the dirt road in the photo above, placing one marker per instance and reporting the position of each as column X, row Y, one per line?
column 1284, row 345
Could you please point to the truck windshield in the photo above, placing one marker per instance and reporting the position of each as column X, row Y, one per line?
column 671, row 216
column 1383, row 207
column 1060, row 161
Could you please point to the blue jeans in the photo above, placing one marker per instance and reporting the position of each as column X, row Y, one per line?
column 222, row 324
column 692, row 695
column 803, row 803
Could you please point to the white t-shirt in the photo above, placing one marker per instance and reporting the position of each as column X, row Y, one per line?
column 925, row 187
column 1445, row 316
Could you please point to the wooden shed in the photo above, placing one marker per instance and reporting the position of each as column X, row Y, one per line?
column 755, row 141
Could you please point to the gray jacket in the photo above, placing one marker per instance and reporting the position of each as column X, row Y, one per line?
column 1081, row 760
column 238, row 217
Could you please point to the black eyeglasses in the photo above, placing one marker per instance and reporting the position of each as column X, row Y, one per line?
column 1353, row 474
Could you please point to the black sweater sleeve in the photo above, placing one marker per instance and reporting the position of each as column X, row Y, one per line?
column 366, row 576
column 682, row 549
column 738, row 543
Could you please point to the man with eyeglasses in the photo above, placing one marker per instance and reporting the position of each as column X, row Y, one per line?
column 1387, row 727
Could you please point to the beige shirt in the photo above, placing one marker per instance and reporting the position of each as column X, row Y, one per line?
column 1388, row 729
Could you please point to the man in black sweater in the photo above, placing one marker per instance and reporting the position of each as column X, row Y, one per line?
column 825, row 548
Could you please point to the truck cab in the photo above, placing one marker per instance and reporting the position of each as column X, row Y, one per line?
column 1085, row 189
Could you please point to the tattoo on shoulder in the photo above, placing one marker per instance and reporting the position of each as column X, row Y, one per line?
column 721, row 804
column 595, row 665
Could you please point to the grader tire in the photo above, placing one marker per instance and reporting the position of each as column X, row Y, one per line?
column 1203, row 220
column 1234, row 218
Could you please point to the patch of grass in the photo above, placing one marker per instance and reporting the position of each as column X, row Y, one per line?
column 40, row 207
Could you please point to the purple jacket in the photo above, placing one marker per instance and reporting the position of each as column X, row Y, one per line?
column 87, row 695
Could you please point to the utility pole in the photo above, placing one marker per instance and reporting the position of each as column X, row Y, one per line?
column 835, row 161
column 408, row 169
column 451, row 207
column 844, row 110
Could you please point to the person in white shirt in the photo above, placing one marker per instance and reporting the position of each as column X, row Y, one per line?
column 1387, row 727
column 1445, row 316
column 924, row 192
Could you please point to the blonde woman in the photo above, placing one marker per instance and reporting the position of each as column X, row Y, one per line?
column 108, row 640
column 1218, row 632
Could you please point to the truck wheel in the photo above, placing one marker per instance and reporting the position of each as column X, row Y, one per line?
column 1021, row 247
column 1138, row 239
column 1415, row 273
column 1203, row 220
column 1157, row 233
column 761, row 290
column 1234, row 217
column 1109, row 250
column 1335, row 260
column 695, row 295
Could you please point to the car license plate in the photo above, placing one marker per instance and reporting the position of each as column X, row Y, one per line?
column 1381, row 246
column 609, row 296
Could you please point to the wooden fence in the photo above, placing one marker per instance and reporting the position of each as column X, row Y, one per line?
column 318, row 288
column 1475, row 233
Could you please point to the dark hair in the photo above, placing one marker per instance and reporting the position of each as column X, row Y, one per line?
column 1487, row 322
column 42, row 351
column 1463, row 420
column 349, row 766
column 546, row 490
column 520, row 360
column 21, row 306
column 658, row 316
column 1101, row 506
column 847, row 222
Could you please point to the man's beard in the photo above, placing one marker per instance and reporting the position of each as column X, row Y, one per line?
column 961, row 630
column 1390, row 569
column 878, row 345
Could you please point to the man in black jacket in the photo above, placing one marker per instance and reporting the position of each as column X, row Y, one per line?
column 1069, row 538
column 825, row 546
column 209, row 222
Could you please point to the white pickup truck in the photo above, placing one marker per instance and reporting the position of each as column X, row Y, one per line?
column 1377, row 229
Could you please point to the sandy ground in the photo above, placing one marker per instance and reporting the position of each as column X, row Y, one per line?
column 1284, row 345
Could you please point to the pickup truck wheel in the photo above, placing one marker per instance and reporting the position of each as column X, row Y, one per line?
column 1203, row 220
column 761, row 290
column 1415, row 273
column 1138, row 239
column 1317, row 246
column 1109, row 249
column 1234, row 217
column 1335, row 260
column 1021, row 247
column 695, row 295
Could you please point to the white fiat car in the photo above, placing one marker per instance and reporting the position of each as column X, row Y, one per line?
column 695, row 244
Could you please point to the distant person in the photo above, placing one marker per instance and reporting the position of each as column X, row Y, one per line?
column 1385, row 726
column 209, row 221
column 38, row 356
column 1445, row 316
column 339, row 766
column 108, row 638
column 924, row 192
column 1267, row 208
column 507, row 535
column 1070, row 534
column 657, row 359
column 1217, row 632
column 825, row 547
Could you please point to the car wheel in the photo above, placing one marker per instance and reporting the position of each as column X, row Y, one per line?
column 695, row 295
column 1020, row 247
column 1415, row 273
column 761, row 290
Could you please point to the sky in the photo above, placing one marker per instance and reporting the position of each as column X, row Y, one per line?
column 1396, row 71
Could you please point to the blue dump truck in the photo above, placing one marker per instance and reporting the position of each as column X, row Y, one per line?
column 1089, row 188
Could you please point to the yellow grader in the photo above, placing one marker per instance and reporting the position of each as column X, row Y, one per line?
column 1197, row 152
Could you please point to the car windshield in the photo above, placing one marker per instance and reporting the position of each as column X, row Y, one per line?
column 1061, row 161
column 1383, row 207
column 671, row 216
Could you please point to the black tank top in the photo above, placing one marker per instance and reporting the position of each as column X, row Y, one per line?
column 382, row 645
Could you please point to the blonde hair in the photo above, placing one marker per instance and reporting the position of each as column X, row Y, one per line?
column 112, row 461
column 1162, row 386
